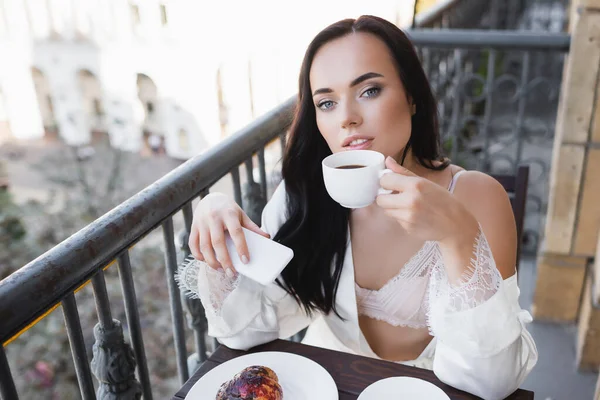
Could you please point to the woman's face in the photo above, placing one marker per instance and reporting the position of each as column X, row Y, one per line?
column 359, row 99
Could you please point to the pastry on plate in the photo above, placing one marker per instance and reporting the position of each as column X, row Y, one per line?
column 252, row 383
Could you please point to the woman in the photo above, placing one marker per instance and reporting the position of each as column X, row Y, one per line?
column 426, row 276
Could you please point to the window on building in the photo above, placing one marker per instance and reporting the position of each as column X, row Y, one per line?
column 50, row 104
column 184, row 141
column 98, row 109
column 135, row 15
column 163, row 15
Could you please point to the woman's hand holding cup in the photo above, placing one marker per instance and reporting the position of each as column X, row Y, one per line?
column 358, row 178
column 424, row 208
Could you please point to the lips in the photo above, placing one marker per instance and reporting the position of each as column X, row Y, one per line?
column 357, row 142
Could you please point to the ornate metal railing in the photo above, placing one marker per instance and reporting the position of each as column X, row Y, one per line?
column 486, row 69
column 498, row 95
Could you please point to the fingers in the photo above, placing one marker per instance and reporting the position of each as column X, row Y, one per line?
column 397, row 182
column 402, row 201
column 206, row 247
column 402, row 179
column 232, row 222
column 194, row 244
column 213, row 221
column 219, row 246
column 249, row 224
column 397, row 168
column 403, row 217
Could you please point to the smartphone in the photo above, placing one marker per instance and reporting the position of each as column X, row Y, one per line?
column 267, row 257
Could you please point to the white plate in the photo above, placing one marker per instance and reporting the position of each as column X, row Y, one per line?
column 299, row 377
column 403, row 387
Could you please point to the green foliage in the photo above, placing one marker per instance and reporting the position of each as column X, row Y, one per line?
column 11, row 226
column 12, row 235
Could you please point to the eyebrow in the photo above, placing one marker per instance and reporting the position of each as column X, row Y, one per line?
column 360, row 79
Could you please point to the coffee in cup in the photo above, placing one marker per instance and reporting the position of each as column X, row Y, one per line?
column 354, row 166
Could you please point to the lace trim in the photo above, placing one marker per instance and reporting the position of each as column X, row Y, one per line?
column 186, row 277
column 197, row 280
column 395, row 321
column 478, row 283
column 402, row 301
column 408, row 271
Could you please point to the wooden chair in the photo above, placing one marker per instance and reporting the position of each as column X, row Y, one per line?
column 516, row 186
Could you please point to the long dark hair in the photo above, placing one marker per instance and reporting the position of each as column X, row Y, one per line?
column 317, row 227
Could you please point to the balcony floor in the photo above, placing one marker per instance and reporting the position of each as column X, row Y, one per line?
column 555, row 376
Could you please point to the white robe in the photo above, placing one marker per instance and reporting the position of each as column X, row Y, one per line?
column 485, row 350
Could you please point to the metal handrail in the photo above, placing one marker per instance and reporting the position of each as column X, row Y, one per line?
column 28, row 292
column 495, row 39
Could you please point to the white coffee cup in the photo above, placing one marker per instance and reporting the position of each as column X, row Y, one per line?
column 352, row 177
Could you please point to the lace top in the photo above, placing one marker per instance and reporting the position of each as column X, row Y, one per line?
column 403, row 300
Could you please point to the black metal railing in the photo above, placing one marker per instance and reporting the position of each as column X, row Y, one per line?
column 53, row 277
column 497, row 95
column 456, row 62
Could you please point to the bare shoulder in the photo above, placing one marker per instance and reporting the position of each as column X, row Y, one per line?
column 487, row 200
column 479, row 189
column 472, row 188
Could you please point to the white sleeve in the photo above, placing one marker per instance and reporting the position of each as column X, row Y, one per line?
column 240, row 312
column 483, row 346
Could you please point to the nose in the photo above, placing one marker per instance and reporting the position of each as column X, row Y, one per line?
column 351, row 117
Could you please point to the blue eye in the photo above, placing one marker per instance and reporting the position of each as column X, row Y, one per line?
column 325, row 105
column 371, row 92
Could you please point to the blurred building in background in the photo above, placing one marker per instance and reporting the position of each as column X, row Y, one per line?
column 152, row 76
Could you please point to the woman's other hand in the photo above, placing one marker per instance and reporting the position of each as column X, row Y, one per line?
column 424, row 208
column 213, row 216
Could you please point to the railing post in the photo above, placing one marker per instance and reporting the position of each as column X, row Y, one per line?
column 196, row 315
column 113, row 364
column 113, row 361
column 523, row 94
column 237, row 187
column 494, row 14
column 133, row 320
column 254, row 201
column 175, row 299
column 77, row 343
column 8, row 389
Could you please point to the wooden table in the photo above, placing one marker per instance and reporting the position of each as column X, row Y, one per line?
column 352, row 374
